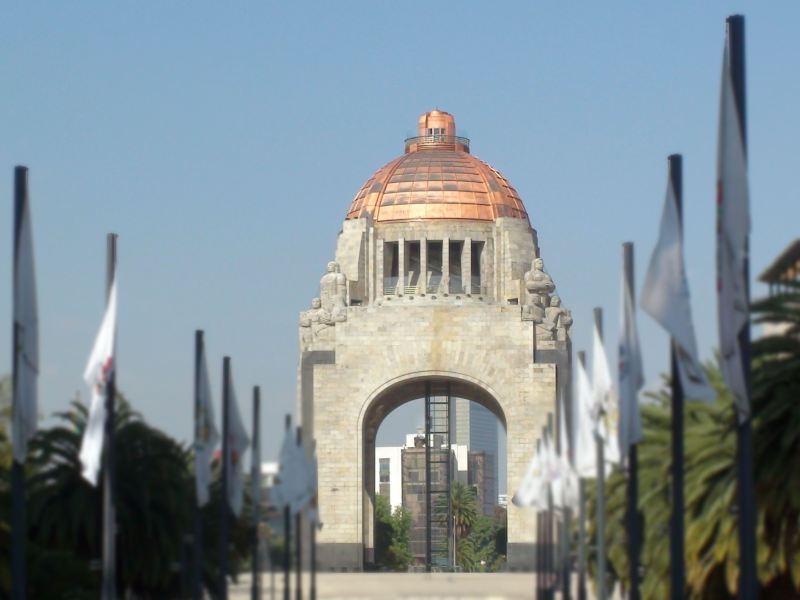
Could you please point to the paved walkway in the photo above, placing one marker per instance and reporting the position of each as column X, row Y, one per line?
column 406, row 586
column 402, row 586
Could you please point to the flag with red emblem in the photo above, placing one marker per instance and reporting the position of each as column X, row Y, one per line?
column 238, row 443
column 98, row 376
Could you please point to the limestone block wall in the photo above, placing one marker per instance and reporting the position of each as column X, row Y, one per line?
column 378, row 349
column 510, row 246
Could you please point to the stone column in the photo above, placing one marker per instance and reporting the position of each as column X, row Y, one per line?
column 466, row 265
column 423, row 266
column 401, row 266
column 369, row 259
column 446, row 265
column 379, row 268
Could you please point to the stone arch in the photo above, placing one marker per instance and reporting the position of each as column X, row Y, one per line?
column 390, row 396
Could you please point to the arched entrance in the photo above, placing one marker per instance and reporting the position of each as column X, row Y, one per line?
column 440, row 391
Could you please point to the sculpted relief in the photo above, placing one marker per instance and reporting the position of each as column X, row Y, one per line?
column 327, row 309
column 552, row 320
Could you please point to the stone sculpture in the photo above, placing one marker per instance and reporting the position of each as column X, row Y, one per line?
column 327, row 309
column 539, row 286
column 313, row 322
column 557, row 319
column 333, row 293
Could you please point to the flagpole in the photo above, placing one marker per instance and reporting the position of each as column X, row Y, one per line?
column 539, row 557
column 298, row 546
column 601, row 491
column 18, row 519
column 748, row 576
column 287, row 536
column 224, row 508
column 256, row 583
column 19, row 530
column 313, row 541
column 677, row 533
column 561, row 445
column 197, row 538
column 581, row 516
column 551, row 538
column 545, row 537
column 633, row 517
column 109, row 516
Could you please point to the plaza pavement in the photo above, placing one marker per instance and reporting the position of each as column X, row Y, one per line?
column 403, row 586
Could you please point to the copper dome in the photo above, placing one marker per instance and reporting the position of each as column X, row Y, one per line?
column 437, row 178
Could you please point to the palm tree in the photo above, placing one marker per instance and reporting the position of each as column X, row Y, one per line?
column 463, row 512
column 776, row 415
column 463, row 508
column 712, row 551
column 152, row 498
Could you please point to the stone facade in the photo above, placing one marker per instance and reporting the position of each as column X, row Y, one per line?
column 444, row 300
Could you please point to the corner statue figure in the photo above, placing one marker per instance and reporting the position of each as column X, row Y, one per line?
column 539, row 286
column 557, row 319
column 327, row 309
column 333, row 293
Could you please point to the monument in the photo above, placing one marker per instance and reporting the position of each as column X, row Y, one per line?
column 437, row 284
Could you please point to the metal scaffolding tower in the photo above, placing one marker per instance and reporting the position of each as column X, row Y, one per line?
column 438, row 475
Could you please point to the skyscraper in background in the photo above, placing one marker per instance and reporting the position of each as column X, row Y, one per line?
column 476, row 428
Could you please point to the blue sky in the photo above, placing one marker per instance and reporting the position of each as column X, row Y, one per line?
column 224, row 145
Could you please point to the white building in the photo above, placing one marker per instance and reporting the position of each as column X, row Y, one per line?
column 388, row 469
column 388, row 474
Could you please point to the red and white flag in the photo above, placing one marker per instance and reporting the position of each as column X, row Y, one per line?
column 733, row 228
column 99, row 373
column 238, row 443
column 26, row 325
column 206, row 436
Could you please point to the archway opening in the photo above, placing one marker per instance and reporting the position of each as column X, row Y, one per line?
column 434, row 502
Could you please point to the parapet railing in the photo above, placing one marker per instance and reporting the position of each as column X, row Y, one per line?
column 438, row 139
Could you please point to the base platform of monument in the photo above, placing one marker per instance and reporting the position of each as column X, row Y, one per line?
column 396, row 586
column 347, row 558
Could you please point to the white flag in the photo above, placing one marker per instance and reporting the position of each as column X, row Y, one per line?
column 206, row 436
column 733, row 227
column 313, row 505
column 605, row 409
column 553, row 474
column 666, row 298
column 26, row 332
column 631, row 377
column 585, row 445
column 532, row 491
column 99, row 373
column 569, row 485
column 294, row 488
column 238, row 442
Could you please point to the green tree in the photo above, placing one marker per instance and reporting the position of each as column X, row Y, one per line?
column 154, row 495
column 712, row 551
column 392, row 536
column 478, row 550
column 463, row 513
column 463, row 508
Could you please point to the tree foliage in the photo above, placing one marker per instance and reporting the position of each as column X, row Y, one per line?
column 712, row 548
column 154, row 495
column 392, row 536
